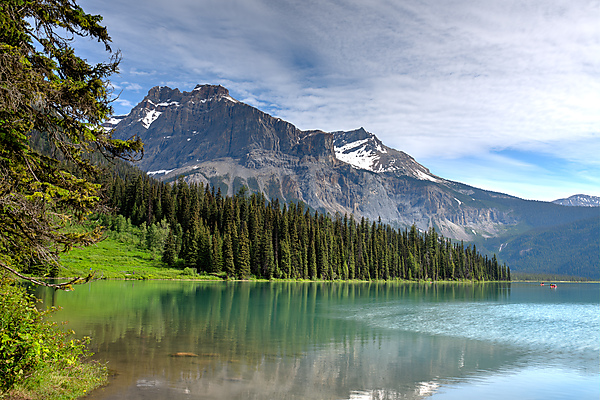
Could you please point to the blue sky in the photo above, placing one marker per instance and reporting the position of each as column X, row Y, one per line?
column 499, row 94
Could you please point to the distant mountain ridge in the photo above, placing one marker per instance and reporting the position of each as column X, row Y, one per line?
column 579, row 200
column 207, row 136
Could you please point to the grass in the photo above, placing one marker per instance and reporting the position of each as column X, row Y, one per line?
column 51, row 383
column 120, row 256
column 38, row 359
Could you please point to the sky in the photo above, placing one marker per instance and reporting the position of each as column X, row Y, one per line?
column 503, row 95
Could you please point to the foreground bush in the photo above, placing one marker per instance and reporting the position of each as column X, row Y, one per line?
column 37, row 358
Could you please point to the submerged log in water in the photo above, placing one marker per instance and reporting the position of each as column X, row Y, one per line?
column 184, row 354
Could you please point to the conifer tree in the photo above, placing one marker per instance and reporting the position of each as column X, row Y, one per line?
column 205, row 248
column 189, row 246
column 265, row 258
column 312, row 256
column 351, row 261
column 217, row 253
column 169, row 253
column 243, row 265
column 183, row 205
column 48, row 92
column 285, row 257
column 228, row 259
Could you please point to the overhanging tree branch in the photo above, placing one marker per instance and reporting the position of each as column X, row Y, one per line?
column 52, row 97
column 56, row 286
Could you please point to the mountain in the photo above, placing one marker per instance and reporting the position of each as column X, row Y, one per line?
column 579, row 200
column 363, row 150
column 569, row 249
column 207, row 136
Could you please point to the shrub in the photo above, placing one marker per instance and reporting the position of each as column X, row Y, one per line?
column 190, row 271
column 28, row 341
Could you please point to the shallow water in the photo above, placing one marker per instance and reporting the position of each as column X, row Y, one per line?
column 339, row 340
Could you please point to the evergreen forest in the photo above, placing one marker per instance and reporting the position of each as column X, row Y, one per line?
column 247, row 235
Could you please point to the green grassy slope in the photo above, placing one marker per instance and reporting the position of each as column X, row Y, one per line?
column 120, row 257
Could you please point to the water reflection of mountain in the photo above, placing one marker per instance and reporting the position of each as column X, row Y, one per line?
column 272, row 340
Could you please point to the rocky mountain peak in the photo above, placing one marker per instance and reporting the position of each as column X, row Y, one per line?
column 363, row 150
column 161, row 99
column 163, row 93
column 181, row 129
column 210, row 91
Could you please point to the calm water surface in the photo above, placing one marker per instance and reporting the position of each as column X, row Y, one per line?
column 339, row 340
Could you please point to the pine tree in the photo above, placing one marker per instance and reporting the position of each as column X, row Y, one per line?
column 205, row 249
column 351, row 261
column 285, row 258
column 243, row 265
column 168, row 256
column 312, row 256
column 217, row 253
column 228, row 259
column 189, row 246
column 183, row 205
column 265, row 258
column 285, row 252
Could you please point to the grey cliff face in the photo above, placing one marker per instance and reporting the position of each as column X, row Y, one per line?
column 207, row 136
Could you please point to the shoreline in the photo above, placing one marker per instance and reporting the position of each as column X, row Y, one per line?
column 212, row 278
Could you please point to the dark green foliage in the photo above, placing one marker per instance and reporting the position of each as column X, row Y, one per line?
column 28, row 341
column 228, row 259
column 169, row 252
column 52, row 103
column 245, row 235
column 243, row 264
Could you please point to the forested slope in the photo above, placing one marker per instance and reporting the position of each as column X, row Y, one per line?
column 247, row 235
column 571, row 249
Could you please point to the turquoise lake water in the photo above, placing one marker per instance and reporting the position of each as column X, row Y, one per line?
column 250, row 340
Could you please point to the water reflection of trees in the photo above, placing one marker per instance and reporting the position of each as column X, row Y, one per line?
column 274, row 339
column 242, row 310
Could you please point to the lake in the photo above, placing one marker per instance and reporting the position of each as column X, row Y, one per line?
column 259, row 340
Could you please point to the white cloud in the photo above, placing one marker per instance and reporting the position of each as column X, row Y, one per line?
column 437, row 79
column 124, row 103
column 132, row 86
column 135, row 72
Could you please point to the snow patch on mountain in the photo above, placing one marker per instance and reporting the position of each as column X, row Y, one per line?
column 357, row 154
column 425, row 177
column 149, row 118
column 369, row 154
column 168, row 103
column 112, row 122
column 160, row 171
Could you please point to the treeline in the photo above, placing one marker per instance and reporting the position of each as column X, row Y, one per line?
column 545, row 277
column 246, row 235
